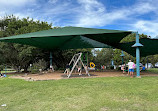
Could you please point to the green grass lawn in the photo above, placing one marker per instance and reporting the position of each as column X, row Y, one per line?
column 79, row 94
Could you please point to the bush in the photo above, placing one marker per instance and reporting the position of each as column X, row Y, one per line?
column 61, row 68
column 118, row 68
column 1, row 67
column 111, row 67
column 34, row 71
column 41, row 64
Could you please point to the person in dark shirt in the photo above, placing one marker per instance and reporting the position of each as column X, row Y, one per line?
column 1, row 75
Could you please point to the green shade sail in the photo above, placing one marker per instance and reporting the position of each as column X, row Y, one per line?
column 150, row 47
column 79, row 37
column 70, row 38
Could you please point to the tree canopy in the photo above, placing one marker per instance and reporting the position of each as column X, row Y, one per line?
column 16, row 54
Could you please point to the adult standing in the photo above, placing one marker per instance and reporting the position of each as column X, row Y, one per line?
column 131, row 68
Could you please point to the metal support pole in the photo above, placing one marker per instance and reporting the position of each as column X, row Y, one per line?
column 147, row 62
column 122, row 55
column 5, row 70
column 50, row 59
column 137, row 55
column 138, row 61
column 137, row 45
column 51, row 66
column 87, row 60
column 112, row 62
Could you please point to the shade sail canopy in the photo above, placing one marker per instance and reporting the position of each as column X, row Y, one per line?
column 150, row 47
column 70, row 38
column 79, row 37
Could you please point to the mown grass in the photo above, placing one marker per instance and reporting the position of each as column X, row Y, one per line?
column 79, row 94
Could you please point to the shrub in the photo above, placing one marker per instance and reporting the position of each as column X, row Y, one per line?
column 34, row 71
column 1, row 67
column 111, row 67
column 41, row 64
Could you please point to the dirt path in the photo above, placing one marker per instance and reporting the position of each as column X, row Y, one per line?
column 60, row 75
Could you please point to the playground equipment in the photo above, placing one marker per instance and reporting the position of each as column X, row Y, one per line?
column 92, row 65
column 77, row 63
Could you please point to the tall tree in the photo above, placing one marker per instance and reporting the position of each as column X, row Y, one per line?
column 17, row 54
column 103, row 57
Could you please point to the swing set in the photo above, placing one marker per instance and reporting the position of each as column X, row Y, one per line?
column 78, row 61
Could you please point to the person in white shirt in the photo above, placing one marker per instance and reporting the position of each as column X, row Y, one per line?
column 131, row 68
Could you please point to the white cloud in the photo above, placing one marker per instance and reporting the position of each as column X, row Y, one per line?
column 90, row 12
column 15, row 7
column 93, row 13
column 146, row 27
column 92, row 5
column 144, row 7
column 99, row 19
column 15, row 2
column 58, row 10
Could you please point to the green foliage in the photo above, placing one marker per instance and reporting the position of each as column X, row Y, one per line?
column 103, row 57
column 118, row 59
column 15, row 26
column 17, row 54
column 34, row 71
column 1, row 67
column 153, row 59
column 132, row 37
column 111, row 67
column 153, row 70
column 37, row 66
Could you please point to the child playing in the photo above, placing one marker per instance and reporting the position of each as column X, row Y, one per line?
column 123, row 68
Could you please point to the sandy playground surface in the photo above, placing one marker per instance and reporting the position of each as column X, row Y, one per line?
column 60, row 75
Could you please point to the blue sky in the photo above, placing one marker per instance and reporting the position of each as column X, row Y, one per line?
column 135, row 15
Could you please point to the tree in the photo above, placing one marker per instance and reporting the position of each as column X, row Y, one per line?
column 132, row 37
column 103, row 57
column 118, row 59
column 153, row 59
column 16, row 54
column 106, row 55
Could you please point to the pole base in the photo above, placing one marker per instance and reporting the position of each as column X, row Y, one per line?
column 138, row 77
